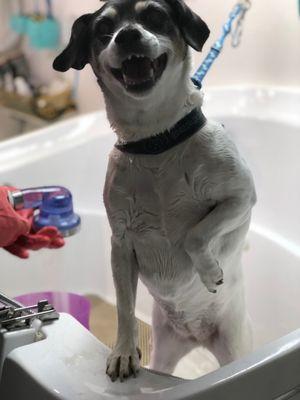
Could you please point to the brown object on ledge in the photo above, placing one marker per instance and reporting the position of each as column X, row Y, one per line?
column 50, row 107
column 17, row 102
column 47, row 107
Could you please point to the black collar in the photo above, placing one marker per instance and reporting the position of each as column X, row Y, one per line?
column 157, row 144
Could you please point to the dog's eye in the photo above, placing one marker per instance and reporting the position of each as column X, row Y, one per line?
column 104, row 29
column 155, row 19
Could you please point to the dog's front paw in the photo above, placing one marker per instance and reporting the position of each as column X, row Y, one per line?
column 123, row 362
column 212, row 277
column 207, row 266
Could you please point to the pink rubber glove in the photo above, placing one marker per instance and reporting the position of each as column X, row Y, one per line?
column 16, row 234
column 12, row 224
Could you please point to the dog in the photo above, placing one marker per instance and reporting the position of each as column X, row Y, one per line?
column 178, row 195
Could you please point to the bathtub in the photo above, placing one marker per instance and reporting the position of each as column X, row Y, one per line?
column 265, row 124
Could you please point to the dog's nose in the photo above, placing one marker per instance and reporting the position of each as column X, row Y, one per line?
column 128, row 36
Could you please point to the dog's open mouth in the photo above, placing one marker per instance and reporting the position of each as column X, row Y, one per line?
column 139, row 73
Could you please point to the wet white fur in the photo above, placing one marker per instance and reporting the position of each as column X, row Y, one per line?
column 178, row 219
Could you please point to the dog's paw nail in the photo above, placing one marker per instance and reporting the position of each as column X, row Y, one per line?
column 212, row 291
column 220, row 282
column 122, row 364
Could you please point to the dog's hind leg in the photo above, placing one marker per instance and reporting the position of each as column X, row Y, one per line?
column 167, row 346
column 232, row 340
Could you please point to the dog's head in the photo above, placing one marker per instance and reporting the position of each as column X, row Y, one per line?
column 131, row 44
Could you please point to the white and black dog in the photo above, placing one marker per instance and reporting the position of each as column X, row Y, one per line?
column 178, row 195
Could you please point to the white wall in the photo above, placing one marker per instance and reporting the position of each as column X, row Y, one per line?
column 7, row 36
column 269, row 53
column 270, row 49
column 89, row 95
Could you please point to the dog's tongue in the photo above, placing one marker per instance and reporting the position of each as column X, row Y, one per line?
column 137, row 69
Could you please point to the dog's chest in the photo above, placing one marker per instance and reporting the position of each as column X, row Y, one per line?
column 149, row 201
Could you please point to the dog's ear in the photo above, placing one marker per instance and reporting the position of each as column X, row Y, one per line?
column 76, row 54
column 193, row 28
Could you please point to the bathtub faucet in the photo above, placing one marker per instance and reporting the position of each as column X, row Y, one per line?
column 54, row 205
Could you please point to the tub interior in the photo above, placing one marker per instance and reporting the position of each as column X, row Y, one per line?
column 75, row 154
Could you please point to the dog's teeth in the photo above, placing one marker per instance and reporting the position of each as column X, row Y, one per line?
column 129, row 82
column 134, row 55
